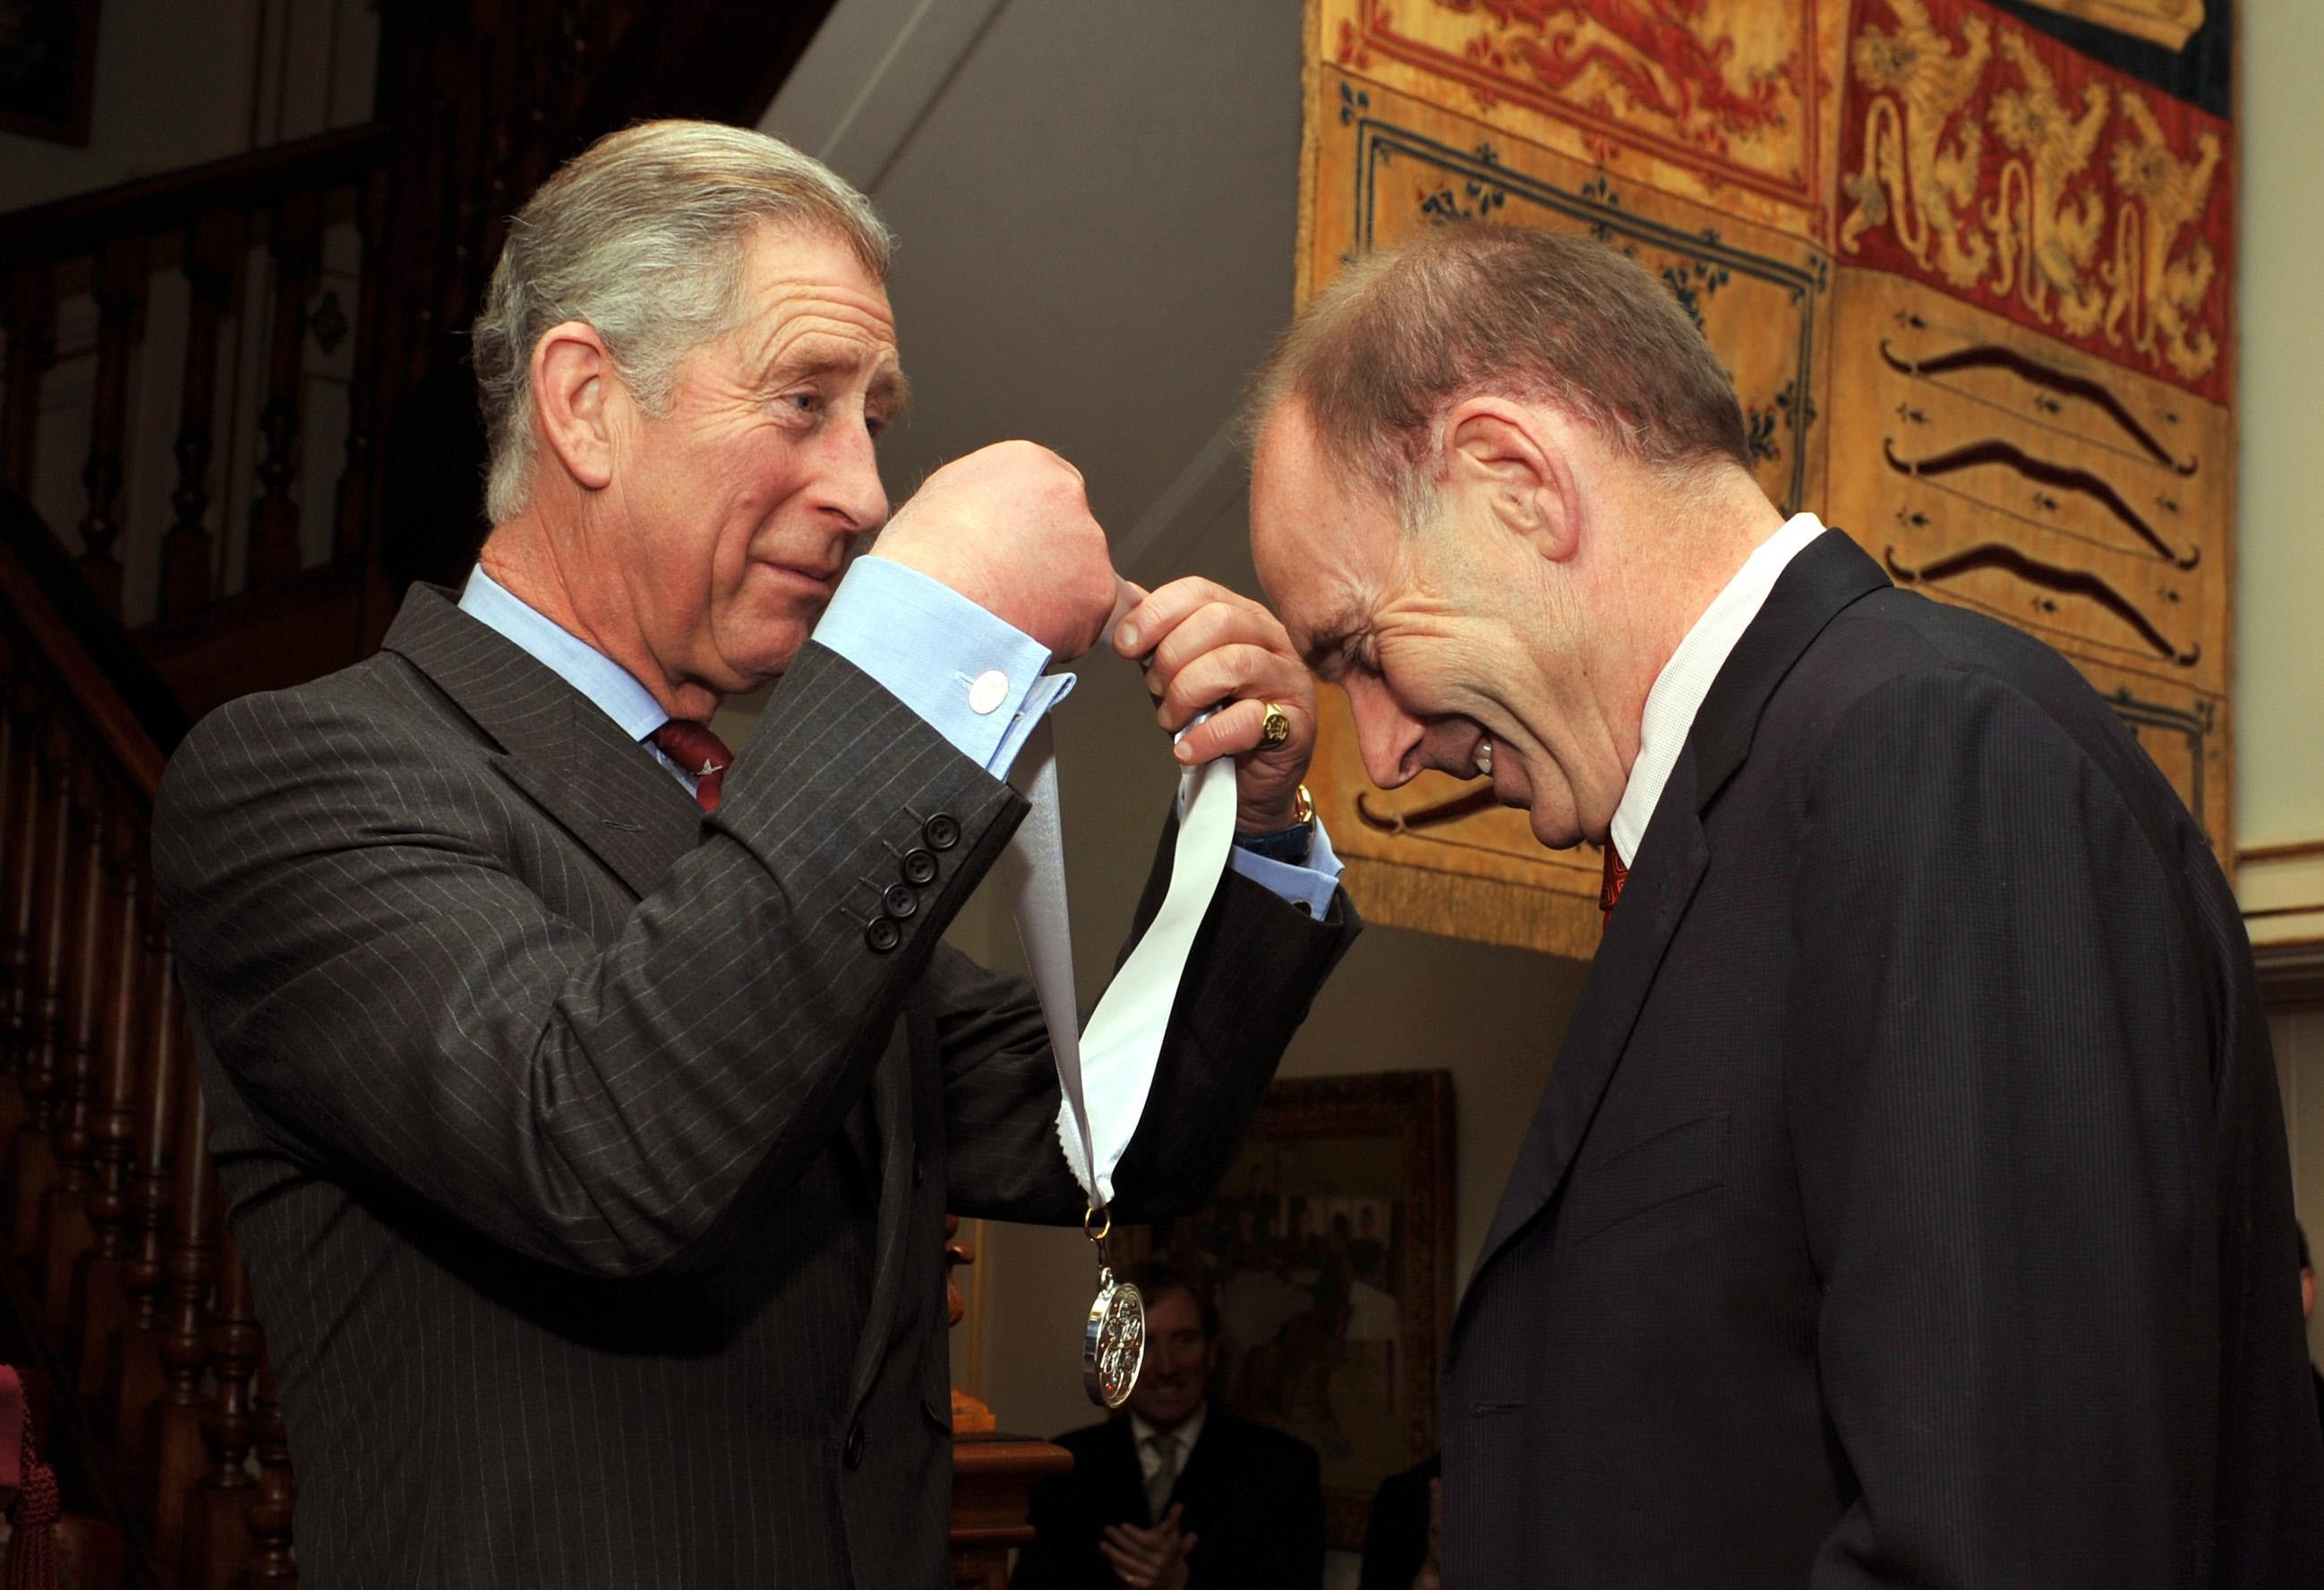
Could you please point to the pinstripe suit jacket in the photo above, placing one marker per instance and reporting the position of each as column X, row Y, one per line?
column 588, row 1157
column 1909, row 1205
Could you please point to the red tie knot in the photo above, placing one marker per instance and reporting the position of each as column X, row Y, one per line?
column 1617, row 875
column 701, row 754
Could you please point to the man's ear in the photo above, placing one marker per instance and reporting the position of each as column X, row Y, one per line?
column 573, row 382
column 1509, row 460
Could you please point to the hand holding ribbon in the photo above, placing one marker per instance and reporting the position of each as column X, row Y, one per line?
column 1202, row 645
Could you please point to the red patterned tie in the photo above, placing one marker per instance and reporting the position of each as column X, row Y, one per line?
column 1617, row 875
column 703, row 754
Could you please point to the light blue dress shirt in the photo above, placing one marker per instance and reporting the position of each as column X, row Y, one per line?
column 973, row 678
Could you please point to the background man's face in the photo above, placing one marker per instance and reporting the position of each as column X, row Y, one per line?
column 734, row 511
column 1421, row 629
column 1177, row 1373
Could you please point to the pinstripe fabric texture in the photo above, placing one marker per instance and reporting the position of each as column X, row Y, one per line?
column 589, row 1163
column 1909, row 1204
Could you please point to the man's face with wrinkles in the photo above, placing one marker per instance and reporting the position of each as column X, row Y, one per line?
column 735, row 507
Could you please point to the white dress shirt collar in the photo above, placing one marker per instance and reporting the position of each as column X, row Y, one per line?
column 1189, row 1431
column 1686, row 679
column 614, row 690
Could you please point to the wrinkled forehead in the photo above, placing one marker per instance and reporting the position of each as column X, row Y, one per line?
column 810, row 289
column 1313, row 538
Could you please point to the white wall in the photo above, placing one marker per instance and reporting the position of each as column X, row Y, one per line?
column 2279, row 691
column 180, row 83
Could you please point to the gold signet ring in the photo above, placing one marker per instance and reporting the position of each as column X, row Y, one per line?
column 1276, row 726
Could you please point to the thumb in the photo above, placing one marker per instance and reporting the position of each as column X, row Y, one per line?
column 1126, row 598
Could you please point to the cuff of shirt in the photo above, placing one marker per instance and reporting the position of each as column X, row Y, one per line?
column 1310, row 887
column 976, row 679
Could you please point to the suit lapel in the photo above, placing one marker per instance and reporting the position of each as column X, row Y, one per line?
column 1826, row 576
column 1671, row 862
column 563, row 753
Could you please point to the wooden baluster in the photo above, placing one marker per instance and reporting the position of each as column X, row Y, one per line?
column 274, row 556
column 146, row 1277
column 120, row 315
column 352, row 517
column 31, row 344
column 19, row 847
column 176, row 1441
column 19, row 768
column 217, row 1541
column 123, row 1063
column 189, row 563
column 96, row 919
column 268, row 1516
column 19, row 909
column 55, row 892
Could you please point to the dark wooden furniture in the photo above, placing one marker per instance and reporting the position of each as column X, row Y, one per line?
column 993, row 1481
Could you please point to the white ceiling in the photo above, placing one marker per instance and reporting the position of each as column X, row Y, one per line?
column 1096, row 205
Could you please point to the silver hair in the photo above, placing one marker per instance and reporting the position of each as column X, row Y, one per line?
column 643, row 235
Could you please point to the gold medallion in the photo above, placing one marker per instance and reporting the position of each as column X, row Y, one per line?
column 1113, row 1342
column 1113, row 1346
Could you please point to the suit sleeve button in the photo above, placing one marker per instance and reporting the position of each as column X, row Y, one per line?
column 941, row 831
column 899, row 901
column 919, row 867
column 882, row 935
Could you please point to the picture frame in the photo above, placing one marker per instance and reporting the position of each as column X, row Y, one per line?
column 1330, row 1246
column 48, row 69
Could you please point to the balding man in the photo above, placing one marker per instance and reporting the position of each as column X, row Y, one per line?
column 1907, row 1204
column 590, row 1099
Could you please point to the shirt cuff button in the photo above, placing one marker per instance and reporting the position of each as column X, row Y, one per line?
column 989, row 690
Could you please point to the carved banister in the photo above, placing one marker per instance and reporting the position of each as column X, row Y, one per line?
column 53, row 925
column 217, row 1539
column 155, row 206
column 269, row 1513
column 145, row 1277
column 189, row 563
column 102, row 1297
column 356, row 503
column 120, row 318
column 176, row 1442
column 32, row 344
column 19, row 842
column 64, row 1223
column 297, row 247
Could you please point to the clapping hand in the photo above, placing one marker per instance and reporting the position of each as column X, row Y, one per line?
column 1150, row 1560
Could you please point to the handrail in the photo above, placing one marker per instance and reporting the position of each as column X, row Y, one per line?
column 69, row 228
column 123, row 701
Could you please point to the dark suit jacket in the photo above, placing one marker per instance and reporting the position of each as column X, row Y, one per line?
column 1396, row 1533
column 1909, row 1202
column 588, row 1156
column 1253, row 1497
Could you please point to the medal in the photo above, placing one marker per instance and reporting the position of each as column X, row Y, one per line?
column 1105, row 1073
column 1113, row 1344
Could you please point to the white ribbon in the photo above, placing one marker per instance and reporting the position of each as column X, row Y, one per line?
column 1106, row 1072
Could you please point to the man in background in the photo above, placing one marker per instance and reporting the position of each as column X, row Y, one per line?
column 1178, row 1495
column 1908, row 1202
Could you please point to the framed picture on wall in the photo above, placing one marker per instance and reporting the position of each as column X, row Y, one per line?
column 1331, row 1247
column 48, row 69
